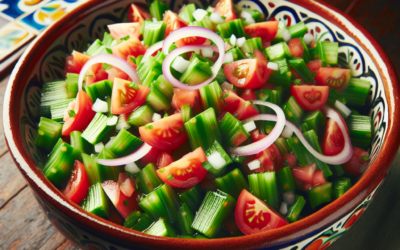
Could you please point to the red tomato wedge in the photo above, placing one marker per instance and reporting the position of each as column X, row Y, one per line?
column 270, row 158
column 185, row 172
column 78, row 184
column 192, row 40
column 183, row 97
column 84, row 114
column 310, row 98
column 318, row 178
column 248, row 73
column 121, row 30
column 357, row 163
column 314, row 65
column 126, row 184
column 332, row 142
column 165, row 134
column 304, row 173
column 173, row 22
column 249, row 95
column 137, row 14
column 296, row 47
column 237, row 106
column 266, row 30
column 335, row 78
column 130, row 47
column 254, row 216
column 125, row 99
column 289, row 160
column 164, row 159
column 125, row 205
column 225, row 8
column 150, row 157
column 114, row 73
column 75, row 62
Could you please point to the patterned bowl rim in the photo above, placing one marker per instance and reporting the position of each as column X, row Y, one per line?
column 290, row 233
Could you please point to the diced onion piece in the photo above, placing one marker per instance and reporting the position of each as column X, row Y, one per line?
column 226, row 86
column 286, row 36
column 199, row 14
column 289, row 198
column 283, row 209
column 242, row 81
column 215, row 18
column 113, row 121
column 137, row 155
column 233, row 40
column 343, row 109
column 210, row 9
column 100, row 106
column 308, row 38
column 240, row 41
column 248, row 17
column 250, row 126
column 98, row 147
column 216, row 160
column 207, row 52
column 273, row 66
column 287, row 132
column 180, row 64
column 156, row 117
column 228, row 57
column 254, row 164
column 154, row 19
column 108, row 144
column 142, row 42
column 122, row 123
column 132, row 168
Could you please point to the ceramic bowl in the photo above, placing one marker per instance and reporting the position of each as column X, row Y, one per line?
column 44, row 61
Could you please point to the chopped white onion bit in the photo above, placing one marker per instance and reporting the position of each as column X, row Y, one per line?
column 343, row 109
column 217, row 19
column 207, row 52
column 132, row 168
column 142, row 42
column 249, row 18
column 233, row 40
column 180, row 64
column 210, row 9
column 155, row 19
column 287, row 132
column 242, row 81
column 100, row 106
column 289, row 198
column 226, row 86
column 273, row 66
column 156, row 117
column 199, row 14
column 254, row 164
column 308, row 38
column 250, row 126
column 122, row 123
column 283, row 210
column 286, row 36
column 228, row 57
column 216, row 160
column 98, row 147
column 108, row 144
column 112, row 121
column 240, row 41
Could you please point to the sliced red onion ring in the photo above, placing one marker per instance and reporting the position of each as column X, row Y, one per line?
column 170, row 58
column 112, row 60
column 153, row 48
column 264, row 143
column 137, row 155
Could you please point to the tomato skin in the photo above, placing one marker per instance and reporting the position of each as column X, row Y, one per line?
column 296, row 47
column 235, row 105
column 84, row 115
column 289, row 160
column 357, row 163
column 173, row 22
column 185, row 172
column 304, row 174
column 126, row 184
column 137, row 97
column 132, row 47
column 335, row 78
column 183, row 97
column 121, row 30
column 314, row 65
column 78, row 184
column 137, row 14
column 75, row 62
column 310, row 98
column 270, row 158
column 114, row 73
column 225, row 8
column 248, row 95
column 164, row 159
column 266, row 30
column 318, row 178
column 165, row 134
column 150, row 157
column 332, row 142
column 248, row 206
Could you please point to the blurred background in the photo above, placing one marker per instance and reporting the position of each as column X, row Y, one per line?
column 24, row 226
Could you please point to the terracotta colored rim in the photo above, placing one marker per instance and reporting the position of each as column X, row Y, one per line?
column 294, row 231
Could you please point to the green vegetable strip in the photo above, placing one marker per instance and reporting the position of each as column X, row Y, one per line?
column 338, row 170
column 232, row 131
column 201, row 58
column 212, row 213
column 295, row 210
column 147, row 179
column 264, row 186
column 152, row 75
column 278, row 51
column 54, row 94
column 303, row 156
column 97, row 201
column 293, row 112
column 232, row 183
column 141, row 116
column 163, row 86
column 251, row 44
column 193, row 197
column 99, row 127
column 93, row 169
column 203, row 130
column 185, row 219
column 254, row 186
column 125, row 143
column 187, row 112
column 153, row 32
column 269, row 95
column 314, row 121
column 237, row 54
column 312, row 138
column 144, row 223
column 306, row 53
column 210, row 96
column 282, row 77
column 285, row 181
column 227, row 29
column 162, row 228
column 298, row 30
column 238, row 159
column 221, row 78
column 314, row 54
column 132, row 219
column 328, row 52
column 301, row 68
column 283, row 146
column 187, row 12
column 205, row 23
column 360, row 130
column 340, row 186
column 320, row 194
column 356, row 92
column 109, row 173
column 71, row 82
column 157, row 99
column 49, row 132
column 157, row 9
column 334, row 96
column 196, row 73
column 99, row 90
column 58, row 168
column 216, row 147
column 144, row 68
column 57, row 109
column 79, row 143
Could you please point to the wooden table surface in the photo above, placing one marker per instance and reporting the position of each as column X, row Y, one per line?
column 24, row 226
